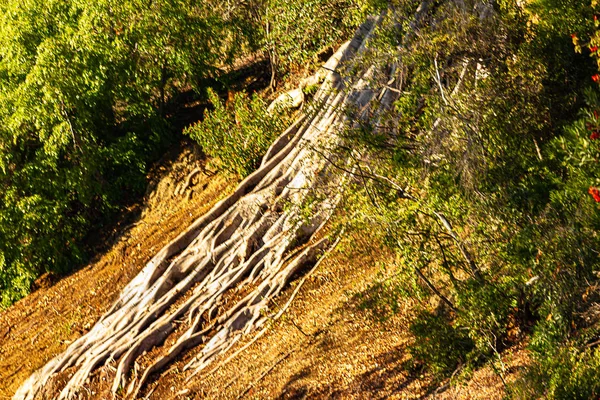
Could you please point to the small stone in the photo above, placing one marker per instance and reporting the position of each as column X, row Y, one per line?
column 292, row 99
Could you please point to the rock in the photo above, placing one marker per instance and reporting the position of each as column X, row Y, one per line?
column 292, row 99
column 313, row 79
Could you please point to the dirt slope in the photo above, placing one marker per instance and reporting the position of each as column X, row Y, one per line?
column 45, row 322
column 325, row 346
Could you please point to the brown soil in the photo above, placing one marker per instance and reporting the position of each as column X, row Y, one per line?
column 41, row 325
column 325, row 345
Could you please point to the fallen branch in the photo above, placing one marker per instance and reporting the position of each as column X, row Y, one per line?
column 188, row 181
column 460, row 79
column 438, row 80
column 260, row 378
column 435, row 290
column 463, row 250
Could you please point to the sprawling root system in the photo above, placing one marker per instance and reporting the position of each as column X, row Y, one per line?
column 251, row 243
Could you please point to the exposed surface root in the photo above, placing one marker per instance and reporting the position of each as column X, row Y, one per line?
column 252, row 242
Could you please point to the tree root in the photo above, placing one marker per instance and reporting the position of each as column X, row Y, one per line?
column 187, row 182
column 252, row 242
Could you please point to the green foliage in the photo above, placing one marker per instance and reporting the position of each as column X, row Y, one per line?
column 293, row 33
column 566, row 372
column 438, row 345
column 83, row 90
column 86, row 89
column 384, row 298
column 238, row 134
column 492, row 135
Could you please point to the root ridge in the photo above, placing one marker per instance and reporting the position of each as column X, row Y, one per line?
column 250, row 245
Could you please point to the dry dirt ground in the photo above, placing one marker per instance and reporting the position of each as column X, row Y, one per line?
column 41, row 325
column 324, row 346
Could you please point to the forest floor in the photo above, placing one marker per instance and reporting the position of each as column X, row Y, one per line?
column 325, row 345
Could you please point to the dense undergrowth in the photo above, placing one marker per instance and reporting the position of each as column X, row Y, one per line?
column 86, row 90
column 495, row 136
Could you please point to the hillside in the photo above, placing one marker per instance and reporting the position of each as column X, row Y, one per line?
column 45, row 322
column 325, row 346
column 388, row 200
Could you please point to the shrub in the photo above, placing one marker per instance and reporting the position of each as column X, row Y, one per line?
column 514, row 171
column 438, row 345
column 238, row 134
column 83, row 90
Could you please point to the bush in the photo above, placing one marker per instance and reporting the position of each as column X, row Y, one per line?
column 83, row 89
column 238, row 134
column 566, row 372
column 439, row 346
column 513, row 170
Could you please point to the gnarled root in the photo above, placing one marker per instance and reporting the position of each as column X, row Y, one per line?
column 252, row 242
